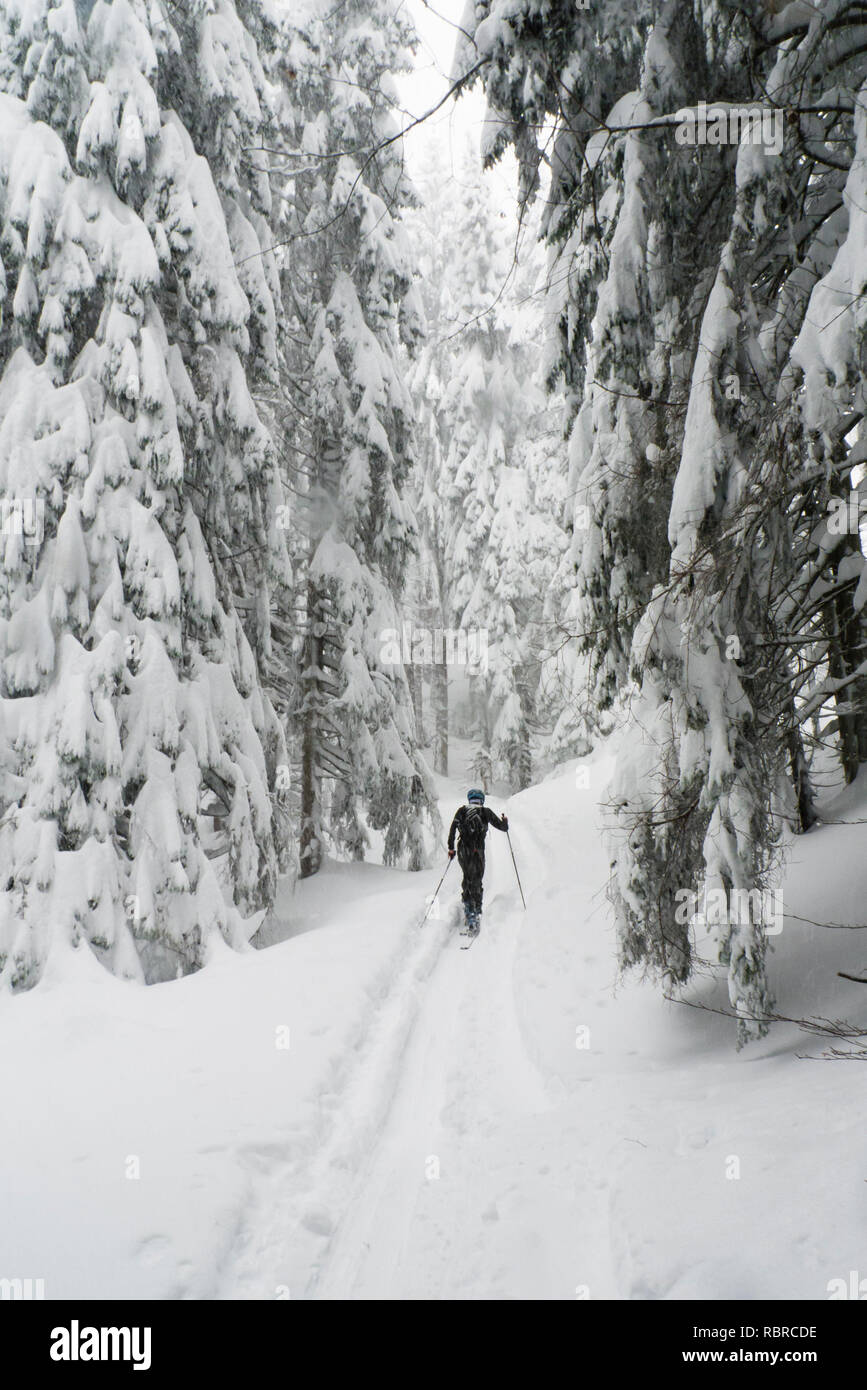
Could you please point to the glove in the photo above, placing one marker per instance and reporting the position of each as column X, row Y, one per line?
column 451, row 854
column 505, row 820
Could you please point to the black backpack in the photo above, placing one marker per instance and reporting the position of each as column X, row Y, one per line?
column 474, row 828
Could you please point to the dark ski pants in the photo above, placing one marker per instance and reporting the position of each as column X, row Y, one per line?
column 473, row 864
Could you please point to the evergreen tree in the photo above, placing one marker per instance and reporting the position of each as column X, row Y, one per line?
column 491, row 480
column 138, row 314
column 684, row 281
column 356, row 315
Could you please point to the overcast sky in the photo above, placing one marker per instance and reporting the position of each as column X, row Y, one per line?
column 458, row 121
column 436, row 24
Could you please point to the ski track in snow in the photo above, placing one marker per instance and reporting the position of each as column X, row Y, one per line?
column 441, row 1128
column 418, row 1186
column 473, row 1150
column 303, row 1198
column 463, row 1070
column 440, row 1065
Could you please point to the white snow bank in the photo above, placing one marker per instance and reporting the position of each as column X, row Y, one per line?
column 508, row 1122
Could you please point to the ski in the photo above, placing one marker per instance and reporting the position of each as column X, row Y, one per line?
column 471, row 936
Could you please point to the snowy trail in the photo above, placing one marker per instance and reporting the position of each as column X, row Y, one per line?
column 509, row 1122
column 364, row 1255
column 440, row 1072
column 302, row 1199
column 464, row 1070
column 435, row 1178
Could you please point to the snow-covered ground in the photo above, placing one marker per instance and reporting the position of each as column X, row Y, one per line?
column 505, row 1122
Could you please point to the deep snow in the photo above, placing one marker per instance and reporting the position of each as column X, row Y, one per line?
column 434, row 1128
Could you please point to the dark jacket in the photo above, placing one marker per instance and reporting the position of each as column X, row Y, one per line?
column 457, row 825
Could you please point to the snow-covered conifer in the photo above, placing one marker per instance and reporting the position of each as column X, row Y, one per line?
column 355, row 316
column 138, row 313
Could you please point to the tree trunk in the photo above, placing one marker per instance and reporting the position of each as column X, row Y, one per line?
column 523, row 759
column 416, row 690
column 844, row 629
column 310, row 852
column 440, row 702
column 801, row 778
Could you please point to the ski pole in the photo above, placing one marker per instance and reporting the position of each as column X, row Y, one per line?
column 517, row 875
column 434, row 898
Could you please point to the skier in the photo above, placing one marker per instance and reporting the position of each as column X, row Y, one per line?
column 471, row 825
